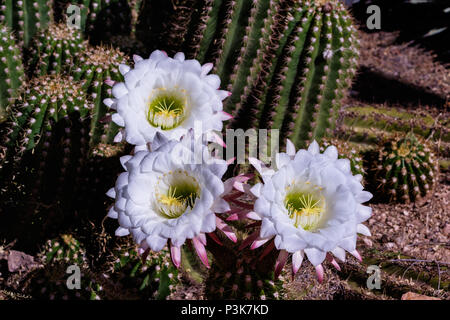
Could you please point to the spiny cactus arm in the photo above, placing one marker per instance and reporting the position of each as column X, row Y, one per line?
column 11, row 70
column 210, row 29
column 256, row 33
column 232, row 37
column 33, row 15
column 311, row 75
column 250, row 108
column 289, row 71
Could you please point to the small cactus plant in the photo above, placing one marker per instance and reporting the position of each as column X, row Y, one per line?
column 56, row 49
column 152, row 274
column 66, row 249
column 11, row 69
column 26, row 17
column 406, row 169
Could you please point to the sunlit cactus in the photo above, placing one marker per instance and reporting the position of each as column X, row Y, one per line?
column 11, row 69
column 26, row 17
column 406, row 170
column 56, row 49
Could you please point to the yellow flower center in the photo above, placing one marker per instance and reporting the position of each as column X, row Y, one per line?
column 176, row 192
column 305, row 205
column 167, row 108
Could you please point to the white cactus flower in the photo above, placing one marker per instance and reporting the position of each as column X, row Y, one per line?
column 310, row 204
column 166, row 95
column 167, row 195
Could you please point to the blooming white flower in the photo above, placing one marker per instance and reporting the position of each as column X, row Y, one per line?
column 164, row 195
column 166, row 95
column 310, row 204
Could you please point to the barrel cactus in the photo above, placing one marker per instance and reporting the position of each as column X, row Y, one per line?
column 406, row 170
column 66, row 249
column 11, row 69
column 56, row 49
column 26, row 17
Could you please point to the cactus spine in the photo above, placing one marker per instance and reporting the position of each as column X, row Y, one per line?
column 56, row 49
column 287, row 63
column 96, row 65
column 11, row 70
column 47, row 138
column 406, row 170
column 26, row 17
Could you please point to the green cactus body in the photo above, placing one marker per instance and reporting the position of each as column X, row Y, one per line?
column 26, row 17
column 406, row 170
column 242, row 280
column 56, row 49
column 96, row 65
column 66, row 249
column 287, row 63
column 155, row 278
column 11, row 70
column 48, row 138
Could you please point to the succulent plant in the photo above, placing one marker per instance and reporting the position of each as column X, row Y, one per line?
column 65, row 249
column 152, row 274
column 56, row 49
column 406, row 169
column 26, row 17
column 244, row 274
column 287, row 63
column 95, row 65
column 47, row 139
column 11, row 69
column 98, row 17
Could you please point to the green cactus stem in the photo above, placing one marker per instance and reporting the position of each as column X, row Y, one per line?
column 26, row 17
column 11, row 70
column 96, row 65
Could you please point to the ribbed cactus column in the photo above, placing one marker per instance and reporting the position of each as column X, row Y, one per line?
column 11, row 70
column 94, row 66
column 287, row 63
column 26, row 17
column 56, row 49
column 310, row 60
column 244, row 274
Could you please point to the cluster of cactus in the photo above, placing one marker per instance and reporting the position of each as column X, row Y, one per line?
column 66, row 249
column 11, row 69
column 348, row 151
column 26, row 17
column 47, row 138
column 287, row 63
column 406, row 170
column 152, row 274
